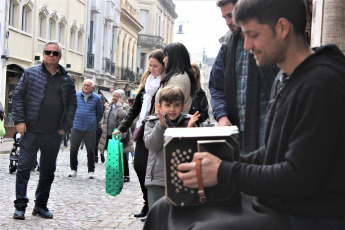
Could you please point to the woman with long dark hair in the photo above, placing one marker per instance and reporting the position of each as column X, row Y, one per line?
column 178, row 72
column 142, row 107
column 199, row 102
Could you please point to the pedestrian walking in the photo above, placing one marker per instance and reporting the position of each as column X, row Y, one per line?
column 88, row 115
column 44, row 104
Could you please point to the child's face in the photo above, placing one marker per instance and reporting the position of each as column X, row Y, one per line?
column 173, row 110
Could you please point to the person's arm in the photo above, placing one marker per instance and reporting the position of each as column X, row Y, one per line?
column 18, row 102
column 99, row 110
column 154, row 135
column 216, row 87
column 305, row 164
column 133, row 113
column 18, row 99
column 71, row 106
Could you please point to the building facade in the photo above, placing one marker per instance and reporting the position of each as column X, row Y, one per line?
column 126, row 72
column 328, row 22
column 158, row 20
column 103, row 22
column 30, row 24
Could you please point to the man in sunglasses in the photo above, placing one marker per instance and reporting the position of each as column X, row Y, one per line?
column 44, row 104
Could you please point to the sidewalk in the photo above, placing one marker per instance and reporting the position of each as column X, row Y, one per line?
column 6, row 146
column 77, row 203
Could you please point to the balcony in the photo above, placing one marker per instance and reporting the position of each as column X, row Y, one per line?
column 126, row 74
column 150, row 41
column 90, row 60
column 106, row 65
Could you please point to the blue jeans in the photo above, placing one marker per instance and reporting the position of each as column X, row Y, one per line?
column 307, row 223
column 49, row 144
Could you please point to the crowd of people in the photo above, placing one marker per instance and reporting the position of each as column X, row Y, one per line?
column 266, row 80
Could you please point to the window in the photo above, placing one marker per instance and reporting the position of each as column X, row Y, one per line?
column 12, row 14
column 80, row 42
column 72, row 39
column 143, row 20
column 52, row 29
column 42, row 26
column 61, row 34
column 90, row 41
column 25, row 19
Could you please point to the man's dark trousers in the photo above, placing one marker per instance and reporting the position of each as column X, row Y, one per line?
column 30, row 143
column 90, row 142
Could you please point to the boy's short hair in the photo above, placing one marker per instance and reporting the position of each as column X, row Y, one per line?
column 170, row 94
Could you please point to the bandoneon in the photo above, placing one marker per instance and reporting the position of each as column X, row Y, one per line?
column 180, row 144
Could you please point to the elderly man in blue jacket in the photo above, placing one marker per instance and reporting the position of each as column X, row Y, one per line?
column 88, row 115
column 44, row 105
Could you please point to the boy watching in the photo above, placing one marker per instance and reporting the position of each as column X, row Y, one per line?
column 169, row 115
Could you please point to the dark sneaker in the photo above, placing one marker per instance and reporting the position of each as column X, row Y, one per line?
column 96, row 159
column 102, row 158
column 43, row 212
column 19, row 214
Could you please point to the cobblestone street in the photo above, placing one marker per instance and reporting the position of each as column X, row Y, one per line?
column 77, row 203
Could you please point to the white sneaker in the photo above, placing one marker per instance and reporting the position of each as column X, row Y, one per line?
column 73, row 173
column 91, row 175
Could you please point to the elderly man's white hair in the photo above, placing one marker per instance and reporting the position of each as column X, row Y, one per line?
column 120, row 92
column 91, row 81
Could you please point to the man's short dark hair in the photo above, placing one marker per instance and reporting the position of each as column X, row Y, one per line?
column 269, row 11
column 170, row 94
column 221, row 3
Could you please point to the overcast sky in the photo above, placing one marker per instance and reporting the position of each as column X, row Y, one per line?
column 202, row 24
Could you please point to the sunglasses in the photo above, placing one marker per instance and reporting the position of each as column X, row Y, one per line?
column 48, row 52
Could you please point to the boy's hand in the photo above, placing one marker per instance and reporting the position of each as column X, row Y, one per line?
column 193, row 119
column 162, row 121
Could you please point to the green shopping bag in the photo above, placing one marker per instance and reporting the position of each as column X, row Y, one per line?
column 2, row 129
column 114, row 166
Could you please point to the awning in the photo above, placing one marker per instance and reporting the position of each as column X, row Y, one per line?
column 108, row 95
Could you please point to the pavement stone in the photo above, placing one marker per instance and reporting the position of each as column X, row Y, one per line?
column 77, row 203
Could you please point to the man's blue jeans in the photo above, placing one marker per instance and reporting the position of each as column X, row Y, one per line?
column 49, row 144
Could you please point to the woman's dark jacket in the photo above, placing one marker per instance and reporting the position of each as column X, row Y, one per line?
column 134, row 111
column 200, row 104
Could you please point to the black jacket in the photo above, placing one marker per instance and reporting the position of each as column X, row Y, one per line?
column 134, row 111
column 29, row 94
column 200, row 104
column 301, row 169
column 258, row 79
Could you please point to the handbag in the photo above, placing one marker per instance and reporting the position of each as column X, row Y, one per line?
column 114, row 166
column 125, row 137
column 2, row 129
column 138, row 131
